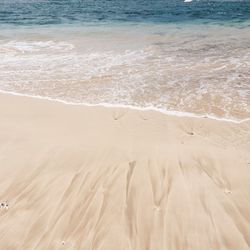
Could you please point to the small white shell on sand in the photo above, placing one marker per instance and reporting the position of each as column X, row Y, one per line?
column 4, row 205
column 227, row 191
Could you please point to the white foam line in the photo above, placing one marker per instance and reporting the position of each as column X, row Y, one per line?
column 172, row 113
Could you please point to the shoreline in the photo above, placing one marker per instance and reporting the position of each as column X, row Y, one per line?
column 106, row 105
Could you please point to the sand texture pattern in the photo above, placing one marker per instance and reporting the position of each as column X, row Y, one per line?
column 76, row 177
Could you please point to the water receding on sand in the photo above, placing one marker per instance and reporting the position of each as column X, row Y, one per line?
column 200, row 69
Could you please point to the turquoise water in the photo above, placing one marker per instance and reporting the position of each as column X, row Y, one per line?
column 174, row 56
column 53, row 12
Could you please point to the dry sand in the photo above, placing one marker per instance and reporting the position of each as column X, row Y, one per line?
column 78, row 177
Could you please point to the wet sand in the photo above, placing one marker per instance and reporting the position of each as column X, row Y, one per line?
column 76, row 177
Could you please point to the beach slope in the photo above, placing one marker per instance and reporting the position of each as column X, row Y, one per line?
column 77, row 177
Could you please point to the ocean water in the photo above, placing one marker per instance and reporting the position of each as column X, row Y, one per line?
column 175, row 56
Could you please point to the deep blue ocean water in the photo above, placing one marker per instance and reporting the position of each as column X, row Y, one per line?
column 49, row 12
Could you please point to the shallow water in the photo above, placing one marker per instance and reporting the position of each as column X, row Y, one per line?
column 169, row 58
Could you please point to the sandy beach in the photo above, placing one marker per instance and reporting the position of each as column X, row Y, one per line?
column 76, row 177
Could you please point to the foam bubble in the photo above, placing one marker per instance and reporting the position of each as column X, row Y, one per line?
column 34, row 46
column 108, row 105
